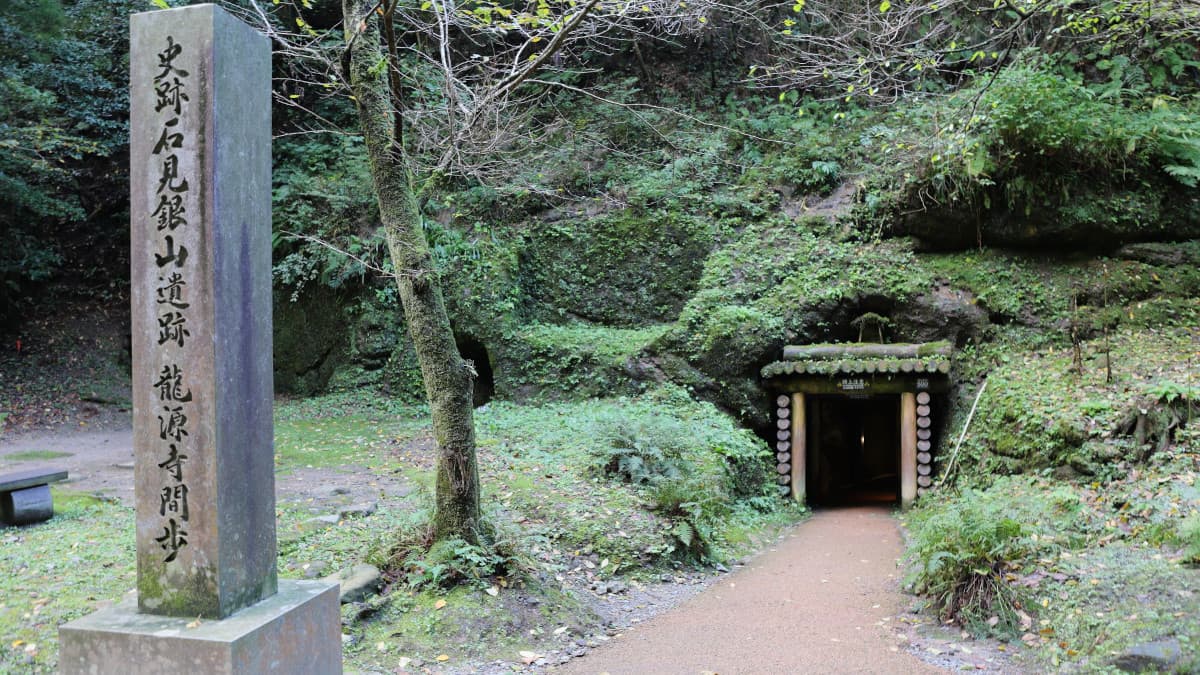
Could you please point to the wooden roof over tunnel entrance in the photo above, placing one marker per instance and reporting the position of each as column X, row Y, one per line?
column 878, row 368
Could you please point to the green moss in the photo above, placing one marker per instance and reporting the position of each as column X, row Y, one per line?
column 780, row 283
column 786, row 271
column 572, row 361
column 1037, row 290
column 1038, row 413
column 340, row 441
column 196, row 597
column 34, row 455
column 624, row 269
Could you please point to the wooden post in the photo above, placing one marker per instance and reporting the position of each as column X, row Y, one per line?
column 908, row 449
column 799, row 449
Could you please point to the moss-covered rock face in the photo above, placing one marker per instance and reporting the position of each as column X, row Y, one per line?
column 480, row 273
column 1096, row 216
column 573, row 362
column 783, row 283
column 1043, row 409
column 378, row 352
column 620, row 269
column 310, row 333
column 1143, row 285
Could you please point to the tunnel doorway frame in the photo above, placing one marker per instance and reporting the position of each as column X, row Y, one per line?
column 917, row 373
column 906, row 463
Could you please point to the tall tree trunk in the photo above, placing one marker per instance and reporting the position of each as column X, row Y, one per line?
column 448, row 378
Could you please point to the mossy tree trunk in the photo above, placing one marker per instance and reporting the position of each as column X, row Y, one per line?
column 448, row 378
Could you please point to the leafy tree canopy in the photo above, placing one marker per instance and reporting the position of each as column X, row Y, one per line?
column 63, row 104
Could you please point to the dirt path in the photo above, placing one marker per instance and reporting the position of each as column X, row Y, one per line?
column 100, row 463
column 822, row 601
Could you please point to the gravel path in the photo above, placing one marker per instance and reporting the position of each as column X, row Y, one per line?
column 822, row 601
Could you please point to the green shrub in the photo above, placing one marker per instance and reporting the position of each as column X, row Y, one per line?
column 695, row 510
column 959, row 556
column 650, row 453
column 691, row 469
column 414, row 559
column 1189, row 536
column 641, row 451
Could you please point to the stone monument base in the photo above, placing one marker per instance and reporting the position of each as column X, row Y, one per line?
column 296, row 631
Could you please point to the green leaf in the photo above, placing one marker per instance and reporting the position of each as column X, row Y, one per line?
column 161, row 4
column 885, row 5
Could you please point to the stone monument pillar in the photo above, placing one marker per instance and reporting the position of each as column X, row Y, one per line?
column 200, row 204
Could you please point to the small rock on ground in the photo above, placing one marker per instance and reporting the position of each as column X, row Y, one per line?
column 358, row 582
column 1160, row 655
column 358, row 510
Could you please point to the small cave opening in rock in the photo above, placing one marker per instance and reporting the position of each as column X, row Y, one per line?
column 473, row 350
column 854, row 449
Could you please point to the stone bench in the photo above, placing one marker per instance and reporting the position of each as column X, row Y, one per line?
column 25, row 495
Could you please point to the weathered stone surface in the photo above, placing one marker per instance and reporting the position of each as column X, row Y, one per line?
column 201, row 308
column 328, row 491
column 15, row 480
column 314, row 570
column 306, row 527
column 1157, row 656
column 294, row 632
column 1100, row 214
column 944, row 313
column 318, row 524
column 357, row 583
column 358, row 510
column 200, row 174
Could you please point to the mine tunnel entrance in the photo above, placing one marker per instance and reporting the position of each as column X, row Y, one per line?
column 485, row 382
column 856, row 423
column 853, row 449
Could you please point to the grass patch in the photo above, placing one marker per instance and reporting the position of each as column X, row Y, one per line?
column 555, row 514
column 1095, row 567
column 35, row 455
column 342, row 430
column 80, row 561
column 466, row 623
column 578, row 508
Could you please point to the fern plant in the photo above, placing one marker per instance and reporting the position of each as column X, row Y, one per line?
column 638, row 453
column 959, row 558
column 694, row 512
column 1184, row 155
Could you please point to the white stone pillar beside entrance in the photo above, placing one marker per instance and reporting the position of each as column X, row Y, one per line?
column 799, row 450
column 908, row 449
